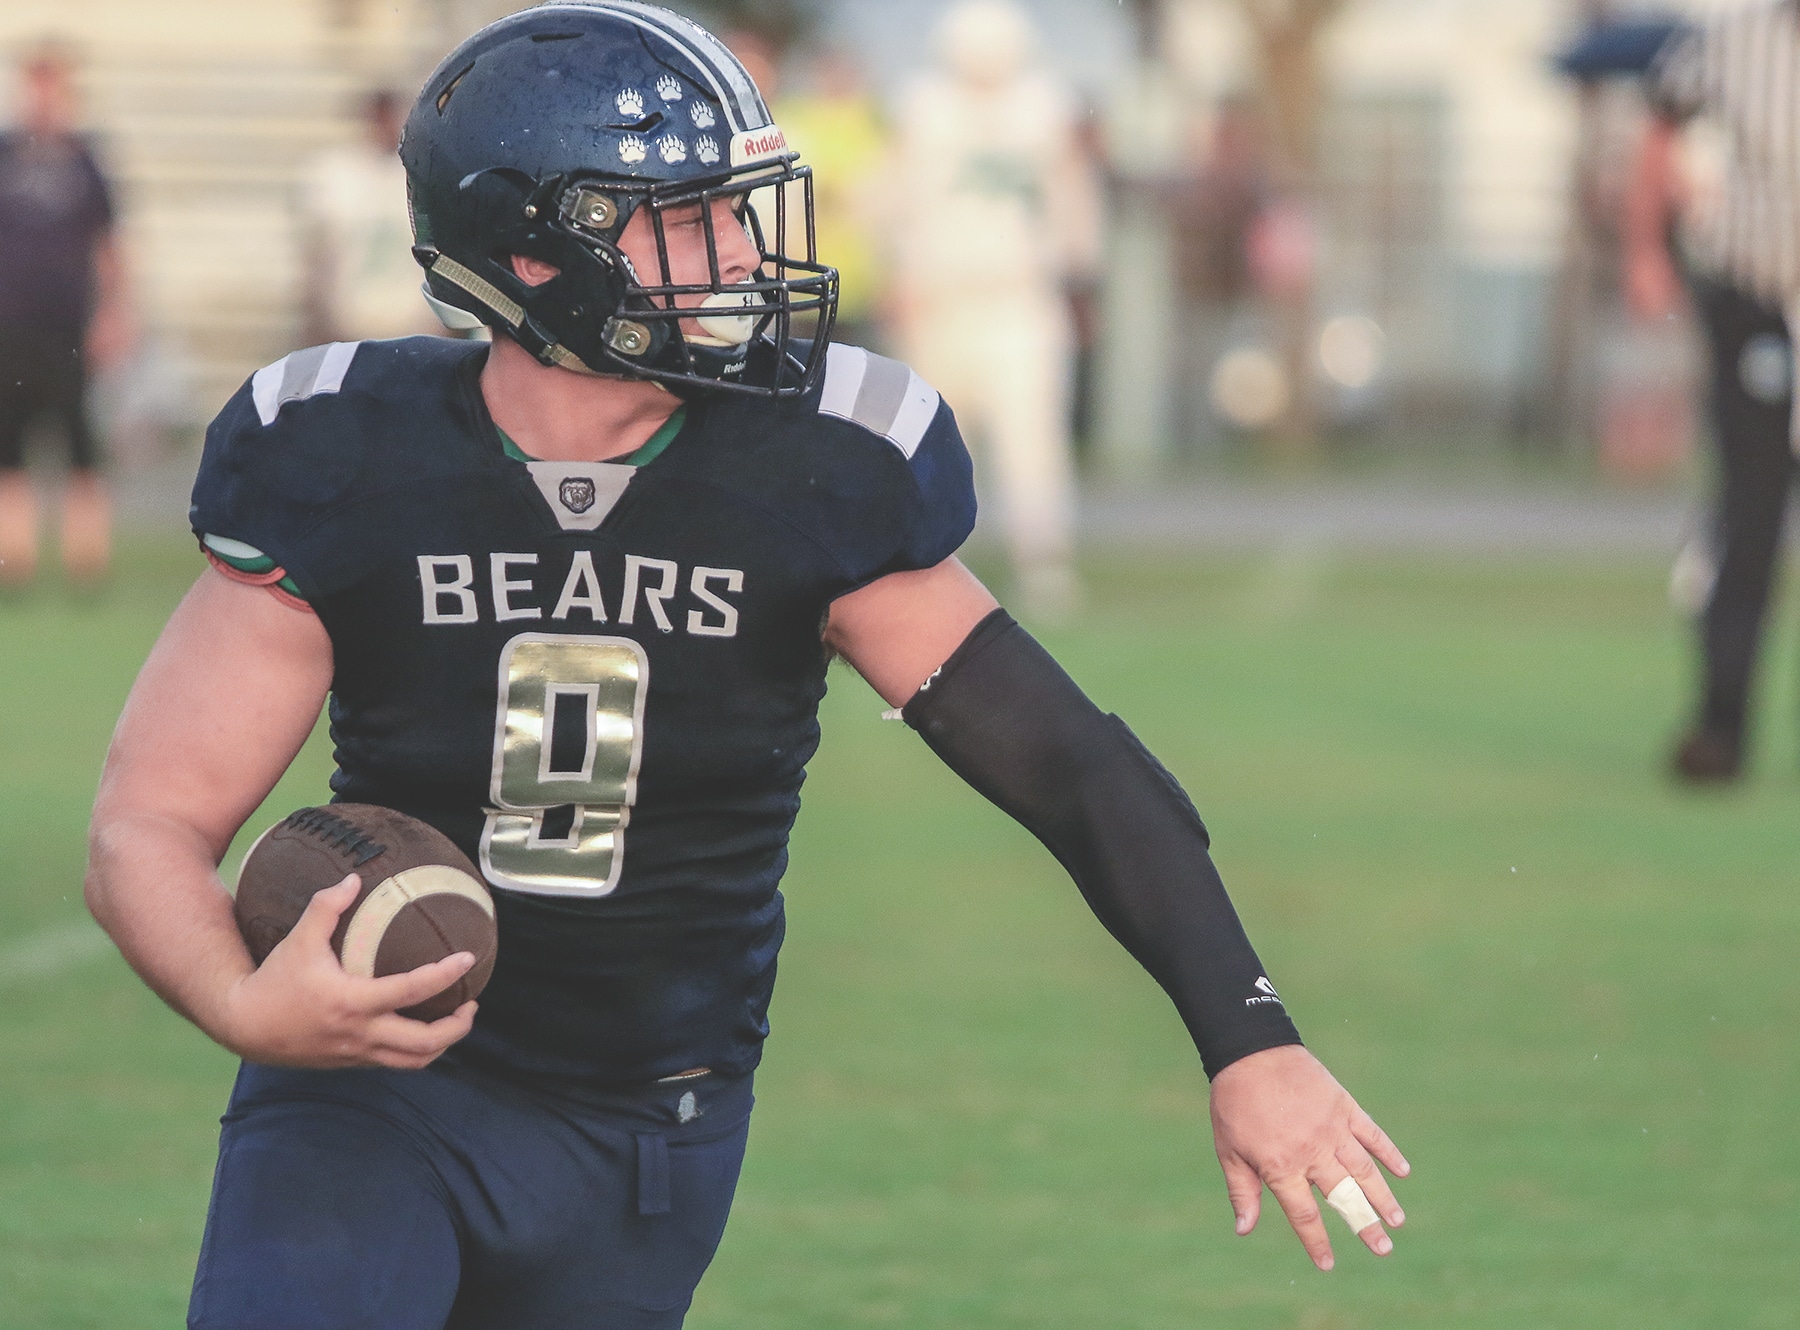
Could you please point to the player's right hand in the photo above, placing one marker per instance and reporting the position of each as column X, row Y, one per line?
column 301, row 1009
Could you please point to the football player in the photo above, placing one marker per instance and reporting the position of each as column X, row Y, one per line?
column 571, row 597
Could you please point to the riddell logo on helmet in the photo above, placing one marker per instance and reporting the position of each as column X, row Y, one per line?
column 753, row 145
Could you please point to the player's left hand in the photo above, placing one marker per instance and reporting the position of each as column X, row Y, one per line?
column 1280, row 1118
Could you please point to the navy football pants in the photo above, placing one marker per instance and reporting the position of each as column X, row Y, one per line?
column 447, row 1198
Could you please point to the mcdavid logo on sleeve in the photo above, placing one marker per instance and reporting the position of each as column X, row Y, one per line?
column 1265, row 994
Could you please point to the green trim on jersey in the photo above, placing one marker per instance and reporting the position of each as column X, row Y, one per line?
column 247, row 559
column 641, row 456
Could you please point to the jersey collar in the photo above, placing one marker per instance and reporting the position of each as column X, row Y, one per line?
column 643, row 455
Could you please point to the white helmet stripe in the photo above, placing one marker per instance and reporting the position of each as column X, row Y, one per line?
column 743, row 104
column 733, row 109
column 744, row 108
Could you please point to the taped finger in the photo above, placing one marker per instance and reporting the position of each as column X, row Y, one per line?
column 1361, row 1167
column 1348, row 1200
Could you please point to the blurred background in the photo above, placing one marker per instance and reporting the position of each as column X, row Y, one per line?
column 1330, row 226
column 1330, row 452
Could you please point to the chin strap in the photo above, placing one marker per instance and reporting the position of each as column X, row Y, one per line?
column 524, row 332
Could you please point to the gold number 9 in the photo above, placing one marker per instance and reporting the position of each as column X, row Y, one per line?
column 568, row 737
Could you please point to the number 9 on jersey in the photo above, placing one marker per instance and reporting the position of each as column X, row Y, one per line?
column 568, row 737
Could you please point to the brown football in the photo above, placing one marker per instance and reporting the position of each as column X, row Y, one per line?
column 421, row 898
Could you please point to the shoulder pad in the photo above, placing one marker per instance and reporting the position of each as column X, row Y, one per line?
column 300, row 375
column 883, row 396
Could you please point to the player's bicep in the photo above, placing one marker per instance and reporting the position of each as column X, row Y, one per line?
column 230, row 692
column 898, row 629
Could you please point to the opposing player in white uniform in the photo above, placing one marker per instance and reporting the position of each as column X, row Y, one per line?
column 997, row 213
column 360, row 280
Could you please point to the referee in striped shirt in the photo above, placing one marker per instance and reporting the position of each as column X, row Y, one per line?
column 1741, row 261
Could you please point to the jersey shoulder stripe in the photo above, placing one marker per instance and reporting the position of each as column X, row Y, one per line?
column 300, row 375
column 884, row 396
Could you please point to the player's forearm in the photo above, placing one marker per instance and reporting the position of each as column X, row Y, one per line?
column 152, row 885
column 195, row 752
column 1006, row 718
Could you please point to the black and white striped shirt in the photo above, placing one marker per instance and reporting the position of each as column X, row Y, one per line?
column 1742, row 69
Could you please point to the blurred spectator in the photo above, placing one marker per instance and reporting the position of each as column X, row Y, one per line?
column 360, row 280
column 62, row 313
column 1214, row 209
column 835, row 127
column 997, row 212
column 1742, row 264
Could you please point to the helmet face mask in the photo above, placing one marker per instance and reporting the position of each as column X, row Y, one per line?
column 679, row 320
column 507, row 155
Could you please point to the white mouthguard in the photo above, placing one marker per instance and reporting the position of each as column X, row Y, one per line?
column 729, row 329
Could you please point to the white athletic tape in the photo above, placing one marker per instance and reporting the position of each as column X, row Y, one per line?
column 1348, row 1200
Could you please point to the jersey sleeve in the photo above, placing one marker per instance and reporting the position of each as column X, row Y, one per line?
column 275, row 473
column 944, row 481
column 916, row 428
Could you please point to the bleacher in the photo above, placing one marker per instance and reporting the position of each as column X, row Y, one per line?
column 205, row 113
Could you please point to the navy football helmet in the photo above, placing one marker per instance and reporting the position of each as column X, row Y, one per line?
column 547, row 131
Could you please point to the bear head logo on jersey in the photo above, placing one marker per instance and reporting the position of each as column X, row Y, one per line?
column 577, row 493
column 505, row 154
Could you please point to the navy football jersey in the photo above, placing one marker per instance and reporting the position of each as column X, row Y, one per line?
column 602, row 681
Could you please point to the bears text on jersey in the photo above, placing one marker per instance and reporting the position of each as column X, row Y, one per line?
column 517, row 588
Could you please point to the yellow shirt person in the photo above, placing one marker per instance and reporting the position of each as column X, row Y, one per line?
column 838, row 131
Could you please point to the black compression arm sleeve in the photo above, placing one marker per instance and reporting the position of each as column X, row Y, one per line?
column 1004, row 716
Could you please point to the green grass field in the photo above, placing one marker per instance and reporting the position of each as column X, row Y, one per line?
column 1569, row 991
